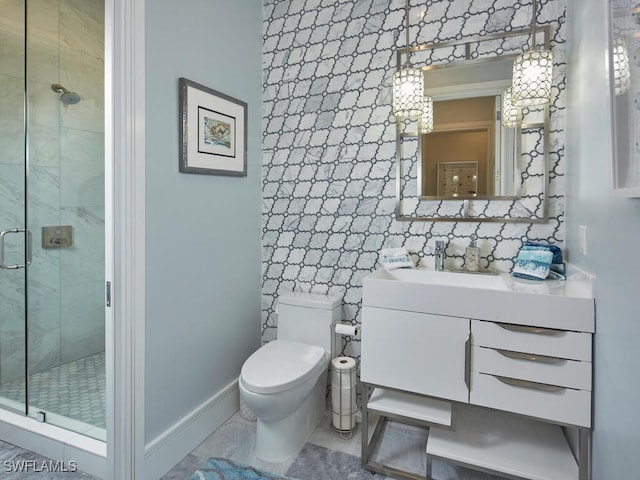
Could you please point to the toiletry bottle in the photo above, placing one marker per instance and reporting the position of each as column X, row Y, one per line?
column 472, row 256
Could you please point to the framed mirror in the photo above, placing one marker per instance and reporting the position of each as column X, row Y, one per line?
column 471, row 167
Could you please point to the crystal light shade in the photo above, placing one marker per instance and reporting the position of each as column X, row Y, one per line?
column 426, row 119
column 408, row 91
column 621, row 72
column 532, row 78
column 510, row 113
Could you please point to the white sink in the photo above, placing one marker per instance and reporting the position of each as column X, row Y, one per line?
column 492, row 297
column 445, row 278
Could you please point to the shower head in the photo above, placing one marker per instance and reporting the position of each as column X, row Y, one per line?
column 66, row 97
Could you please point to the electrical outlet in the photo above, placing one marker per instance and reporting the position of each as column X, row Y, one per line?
column 582, row 239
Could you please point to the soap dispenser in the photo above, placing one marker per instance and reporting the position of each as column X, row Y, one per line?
column 472, row 256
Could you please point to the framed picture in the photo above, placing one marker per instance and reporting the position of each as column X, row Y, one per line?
column 624, row 71
column 213, row 131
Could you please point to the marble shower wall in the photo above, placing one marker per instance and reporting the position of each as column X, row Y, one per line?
column 329, row 142
column 65, row 181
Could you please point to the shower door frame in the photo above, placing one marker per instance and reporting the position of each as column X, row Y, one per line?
column 124, row 259
column 125, row 236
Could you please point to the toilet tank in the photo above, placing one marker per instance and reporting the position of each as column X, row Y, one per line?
column 307, row 317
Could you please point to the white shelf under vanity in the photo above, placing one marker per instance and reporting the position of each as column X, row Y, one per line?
column 499, row 371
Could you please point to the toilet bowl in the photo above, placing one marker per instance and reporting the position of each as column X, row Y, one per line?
column 284, row 384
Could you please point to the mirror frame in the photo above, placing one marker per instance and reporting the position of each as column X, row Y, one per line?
column 464, row 207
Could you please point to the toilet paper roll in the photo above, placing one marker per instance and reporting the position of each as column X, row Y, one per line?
column 343, row 363
column 346, row 329
column 343, row 392
column 343, row 372
column 344, row 422
column 343, row 400
column 343, row 381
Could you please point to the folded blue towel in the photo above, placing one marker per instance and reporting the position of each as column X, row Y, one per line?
column 557, row 271
column 557, row 252
column 533, row 264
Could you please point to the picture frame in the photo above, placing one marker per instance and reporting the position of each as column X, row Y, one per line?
column 624, row 77
column 213, row 131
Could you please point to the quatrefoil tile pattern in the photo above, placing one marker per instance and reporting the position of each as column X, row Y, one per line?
column 329, row 143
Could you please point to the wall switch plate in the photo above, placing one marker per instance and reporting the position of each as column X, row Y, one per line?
column 582, row 239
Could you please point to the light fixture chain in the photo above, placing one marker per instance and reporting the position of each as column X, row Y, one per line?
column 534, row 22
column 407, row 8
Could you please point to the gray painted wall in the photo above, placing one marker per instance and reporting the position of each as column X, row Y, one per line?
column 203, row 232
column 613, row 233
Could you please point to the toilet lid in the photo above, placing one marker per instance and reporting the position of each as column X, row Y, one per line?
column 280, row 365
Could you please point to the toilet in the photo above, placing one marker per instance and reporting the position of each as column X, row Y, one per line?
column 284, row 382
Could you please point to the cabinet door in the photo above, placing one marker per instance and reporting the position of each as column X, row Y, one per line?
column 416, row 352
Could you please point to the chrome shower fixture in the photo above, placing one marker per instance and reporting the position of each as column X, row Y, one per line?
column 66, row 97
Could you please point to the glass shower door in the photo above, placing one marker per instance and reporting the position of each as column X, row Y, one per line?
column 65, row 213
column 13, row 252
column 52, row 328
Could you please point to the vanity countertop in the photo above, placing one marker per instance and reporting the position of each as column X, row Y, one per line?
column 565, row 304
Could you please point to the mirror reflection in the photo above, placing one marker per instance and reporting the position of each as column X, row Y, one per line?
column 469, row 154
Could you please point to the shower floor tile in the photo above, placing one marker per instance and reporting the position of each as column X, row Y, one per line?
column 76, row 390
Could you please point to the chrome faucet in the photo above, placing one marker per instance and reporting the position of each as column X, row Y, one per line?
column 440, row 255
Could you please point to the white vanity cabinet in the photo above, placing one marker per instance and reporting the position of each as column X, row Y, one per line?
column 513, row 364
column 415, row 352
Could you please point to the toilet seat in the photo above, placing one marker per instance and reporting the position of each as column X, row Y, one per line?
column 281, row 365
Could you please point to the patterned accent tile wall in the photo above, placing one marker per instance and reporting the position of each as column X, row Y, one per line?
column 329, row 143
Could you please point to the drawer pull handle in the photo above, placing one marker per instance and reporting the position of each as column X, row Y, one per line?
column 530, row 357
column 467, row 361
column 527, row 384
column 525, row 329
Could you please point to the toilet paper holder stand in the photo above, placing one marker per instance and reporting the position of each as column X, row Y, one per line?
column 340, row 330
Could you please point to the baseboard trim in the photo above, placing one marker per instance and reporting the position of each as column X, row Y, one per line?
column 171, row 446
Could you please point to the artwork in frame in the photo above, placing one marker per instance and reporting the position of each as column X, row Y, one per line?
column 625, row 90
column 213, row 131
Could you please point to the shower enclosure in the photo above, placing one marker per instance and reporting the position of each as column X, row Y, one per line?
column 52, row 234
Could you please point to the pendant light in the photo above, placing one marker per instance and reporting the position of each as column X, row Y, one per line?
column 621, row 71
column 532, row 73
column 510, row 113
column 408, row 85
column 426, row 118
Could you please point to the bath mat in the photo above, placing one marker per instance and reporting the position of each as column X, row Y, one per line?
column 223, row 469
column 319, row 463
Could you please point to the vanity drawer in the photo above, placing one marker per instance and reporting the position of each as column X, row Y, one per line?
column 535, row 368
column 540, row 341
column 562, row 405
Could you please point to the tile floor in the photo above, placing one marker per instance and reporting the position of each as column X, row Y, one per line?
column 325, row 456
column 75, row 390
column 19, row 464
